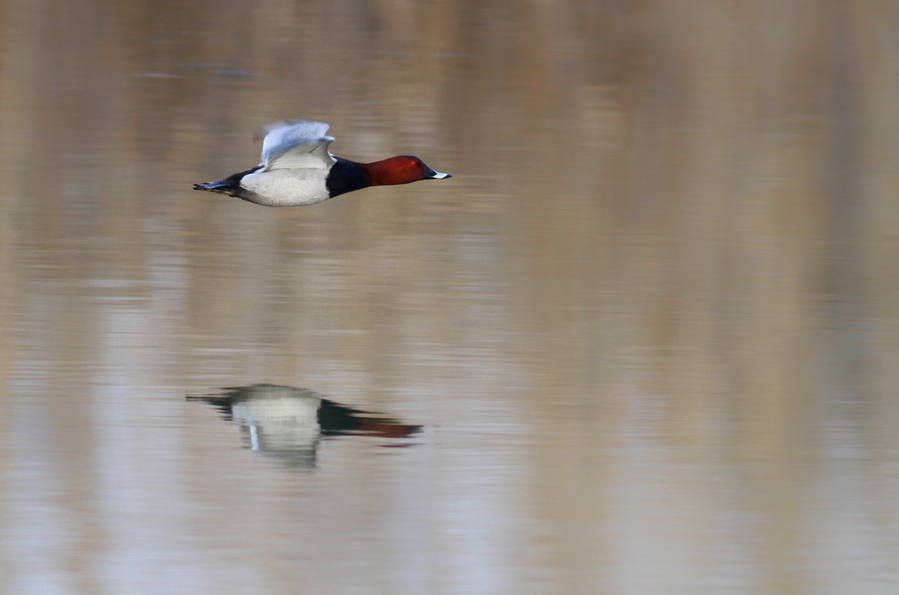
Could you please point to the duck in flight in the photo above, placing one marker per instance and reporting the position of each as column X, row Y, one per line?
column 298, row 169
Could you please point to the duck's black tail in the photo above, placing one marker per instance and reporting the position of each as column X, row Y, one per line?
column 229, row 186
column 223, row 186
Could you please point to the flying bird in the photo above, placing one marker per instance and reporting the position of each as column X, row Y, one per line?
column 298, row 169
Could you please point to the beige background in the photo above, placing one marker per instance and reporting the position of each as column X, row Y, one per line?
column 651, row 323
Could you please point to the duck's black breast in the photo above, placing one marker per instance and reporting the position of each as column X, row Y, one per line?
column 345, row 176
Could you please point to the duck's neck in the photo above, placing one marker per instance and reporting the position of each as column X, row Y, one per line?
column 346, row 176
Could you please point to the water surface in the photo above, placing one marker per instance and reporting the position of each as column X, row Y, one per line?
column 645, row 340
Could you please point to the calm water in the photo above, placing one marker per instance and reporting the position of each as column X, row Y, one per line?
column 645, row 340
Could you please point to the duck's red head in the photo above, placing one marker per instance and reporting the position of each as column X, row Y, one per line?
column 401, row 169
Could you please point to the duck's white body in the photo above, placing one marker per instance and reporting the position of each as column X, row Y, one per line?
column 286, row 187
column 297, row 169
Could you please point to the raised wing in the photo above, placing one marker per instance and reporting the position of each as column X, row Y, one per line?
column 295, row 144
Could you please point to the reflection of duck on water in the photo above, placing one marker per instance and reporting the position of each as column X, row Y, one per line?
column 288, row 422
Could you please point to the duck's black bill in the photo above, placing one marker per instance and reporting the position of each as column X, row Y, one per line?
column 435, row 175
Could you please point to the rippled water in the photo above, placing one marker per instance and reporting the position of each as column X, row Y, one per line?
column 645, row 340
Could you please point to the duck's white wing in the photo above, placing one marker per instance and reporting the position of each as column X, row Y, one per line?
column 295, row 144
column 289, row 131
